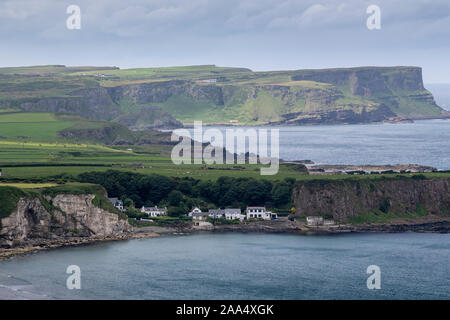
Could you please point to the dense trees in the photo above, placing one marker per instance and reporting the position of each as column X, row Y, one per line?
column 175, row 211
column 175, row 197
column 186, row 192
column 281, row 193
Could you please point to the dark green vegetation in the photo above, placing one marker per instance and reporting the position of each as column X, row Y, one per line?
column 158, row 97
column 350, row 199
column 9, row 196
column 181, row 194
column 379, row 216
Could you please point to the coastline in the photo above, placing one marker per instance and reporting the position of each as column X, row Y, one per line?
column 189, row 125
column 428, row 224
column 36, row 245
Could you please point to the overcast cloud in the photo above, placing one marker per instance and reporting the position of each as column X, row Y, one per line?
column 260, row 34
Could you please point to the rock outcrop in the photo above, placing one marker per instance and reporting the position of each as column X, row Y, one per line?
column 349, row 198
column 69, row 215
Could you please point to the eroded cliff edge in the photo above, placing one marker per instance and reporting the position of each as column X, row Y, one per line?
column 55, row 217
column 215, row 95
column 377, row 200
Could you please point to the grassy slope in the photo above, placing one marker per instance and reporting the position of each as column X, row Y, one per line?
column 31, row 126
column 48, row 127
column 42, row 153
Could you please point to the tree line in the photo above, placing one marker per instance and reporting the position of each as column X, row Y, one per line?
column 181, row 194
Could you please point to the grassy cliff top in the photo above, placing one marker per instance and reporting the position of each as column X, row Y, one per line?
column 11, row 193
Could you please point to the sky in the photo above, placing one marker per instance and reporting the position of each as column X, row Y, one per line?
column 258, row 34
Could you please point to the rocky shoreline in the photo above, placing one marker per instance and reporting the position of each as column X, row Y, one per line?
column 429, row 224
column 40, row 244
column 35, row 245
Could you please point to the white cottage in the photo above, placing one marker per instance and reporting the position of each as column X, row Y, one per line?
column 200, row 216
column 234, row 214
column 154, row 211
column 260, row 213
column 216, row 213
column 197, row 214
column 194, row 210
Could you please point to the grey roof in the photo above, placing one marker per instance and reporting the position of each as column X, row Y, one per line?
column 216, row 211
column 198, row 214
column 232, row 211
column 114, row 200
column 154, row 208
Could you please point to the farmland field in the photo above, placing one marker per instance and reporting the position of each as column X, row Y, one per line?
column 39, row 160
column 28, row 185
column 38, row 127
column 31, row 147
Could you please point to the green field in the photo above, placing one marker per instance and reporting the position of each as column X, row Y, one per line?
column 51, row 160
column 28, row 185
column 41, row 152
column 31, row 126
column 40, row 160
column 68, row 129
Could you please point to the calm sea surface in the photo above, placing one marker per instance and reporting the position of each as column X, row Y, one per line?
column 243, row 266
column 425, row 142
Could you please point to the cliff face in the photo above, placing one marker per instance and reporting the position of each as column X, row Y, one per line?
column 345, row 199
column 72, row 216
column 345, row 95
column 367, row 81
column 339, row 116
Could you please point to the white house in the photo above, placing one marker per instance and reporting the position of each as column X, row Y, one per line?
column 154, row 211
column 216, row 213
column 233, row 214
column 197, row 214
column 314, row 221
column 200, row 216
column 117, row 203
column 260, row 213
column 193, row 211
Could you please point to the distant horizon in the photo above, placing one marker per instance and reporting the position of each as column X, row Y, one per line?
column 225, row 66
